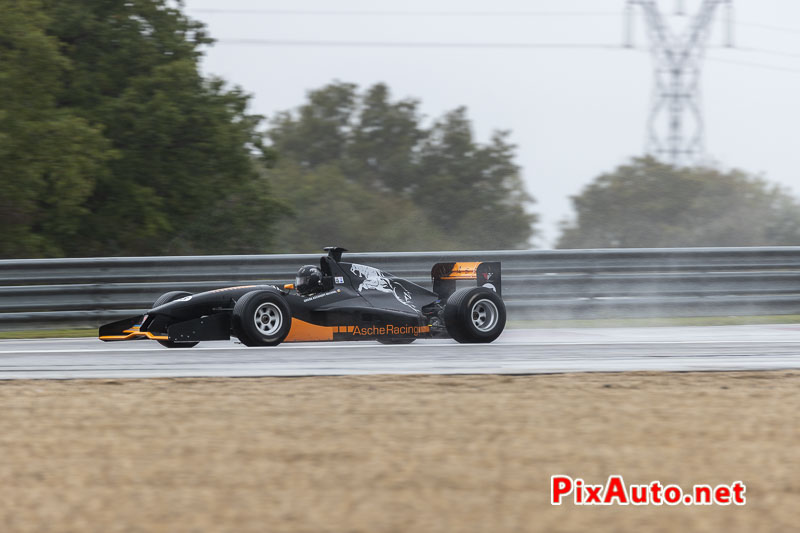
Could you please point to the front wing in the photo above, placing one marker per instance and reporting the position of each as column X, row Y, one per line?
column 127, row 329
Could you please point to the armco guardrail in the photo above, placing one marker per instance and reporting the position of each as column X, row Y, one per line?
column 554, row 284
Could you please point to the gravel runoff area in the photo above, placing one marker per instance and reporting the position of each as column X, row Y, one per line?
column 393, row 454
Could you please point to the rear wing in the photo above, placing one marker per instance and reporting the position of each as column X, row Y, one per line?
column 445, row 276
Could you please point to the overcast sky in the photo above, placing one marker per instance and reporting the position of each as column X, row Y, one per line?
column 574, row 113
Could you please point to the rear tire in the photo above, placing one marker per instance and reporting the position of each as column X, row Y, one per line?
column 475, row 315
column 171, row 297
column 261, row 318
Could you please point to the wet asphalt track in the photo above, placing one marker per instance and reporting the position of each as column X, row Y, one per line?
column 516, row 352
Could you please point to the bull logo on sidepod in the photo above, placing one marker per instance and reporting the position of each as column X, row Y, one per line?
column 374, row 279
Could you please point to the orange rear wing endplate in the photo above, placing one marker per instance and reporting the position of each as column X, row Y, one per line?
column 446, row 275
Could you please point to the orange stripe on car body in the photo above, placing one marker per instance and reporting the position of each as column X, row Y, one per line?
column 302, row 331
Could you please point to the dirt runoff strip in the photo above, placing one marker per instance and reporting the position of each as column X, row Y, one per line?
column 393, row 453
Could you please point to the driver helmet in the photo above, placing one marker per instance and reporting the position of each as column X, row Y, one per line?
column 308, row 280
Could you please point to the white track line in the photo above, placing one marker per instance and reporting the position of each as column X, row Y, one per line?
column 330, row 346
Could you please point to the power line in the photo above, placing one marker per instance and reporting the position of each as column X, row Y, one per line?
column 765, row 51
column 396, row 13
column 768, row 27
column 487, row 45
column 409, row 13
column 753, row 65
column 416, row 44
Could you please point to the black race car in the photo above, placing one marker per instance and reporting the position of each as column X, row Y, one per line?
column 332, row 302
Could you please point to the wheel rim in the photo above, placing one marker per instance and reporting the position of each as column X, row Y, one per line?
column 268, row 318
column 484, row 315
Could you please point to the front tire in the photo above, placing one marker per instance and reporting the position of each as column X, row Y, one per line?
column 261, row 318
column 164, row 299
column 475, row 315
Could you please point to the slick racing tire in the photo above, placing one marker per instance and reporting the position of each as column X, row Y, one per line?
column 474, row 315
column 261, row 318
column 171, row 297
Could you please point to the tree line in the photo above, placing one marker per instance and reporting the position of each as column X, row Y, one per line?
column 362, row 169
column 113, row 143
column 649, row 204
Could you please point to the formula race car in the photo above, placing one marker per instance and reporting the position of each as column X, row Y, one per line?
column 331, row 302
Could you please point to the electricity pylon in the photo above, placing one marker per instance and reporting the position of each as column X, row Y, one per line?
column 675, row 125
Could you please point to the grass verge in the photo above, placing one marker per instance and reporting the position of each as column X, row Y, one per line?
column 520, row 324
column 648, row 322
column 48, row 333
column 384, row 454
